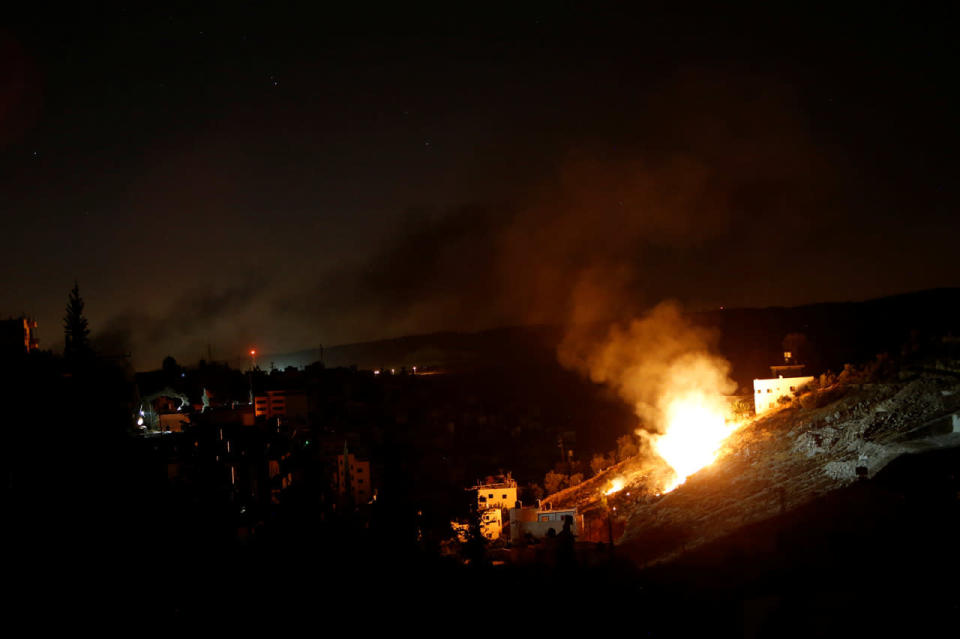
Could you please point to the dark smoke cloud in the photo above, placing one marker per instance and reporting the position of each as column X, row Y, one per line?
column 701, row 195
column 716, row 170
column 199, row 317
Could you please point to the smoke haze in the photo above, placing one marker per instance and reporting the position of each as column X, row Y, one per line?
column 652, row 362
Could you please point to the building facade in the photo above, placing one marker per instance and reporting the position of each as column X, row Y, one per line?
column 353, row 475
column 538, row 522
column 785, row 380
column 282, row 403
column 767, row 392
column 498, row 492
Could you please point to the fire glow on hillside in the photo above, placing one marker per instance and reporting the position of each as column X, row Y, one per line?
column 666, row 367
column 696, row 428
column 616, row 486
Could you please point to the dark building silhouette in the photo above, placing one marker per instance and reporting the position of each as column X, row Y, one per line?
column 18, row 335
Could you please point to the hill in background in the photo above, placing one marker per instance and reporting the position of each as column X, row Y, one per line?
column 752, row 339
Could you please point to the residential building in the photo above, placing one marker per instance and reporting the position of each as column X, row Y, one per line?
column 538, row 522
column 353, row 474
column 496, row 492
column 767, row 392
column 491, row 523
column 282, row 403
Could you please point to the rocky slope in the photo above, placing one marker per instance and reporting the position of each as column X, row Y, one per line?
column 773, row 465
column 780, row 462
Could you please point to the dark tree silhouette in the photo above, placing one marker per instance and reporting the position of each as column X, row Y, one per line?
column 170, row 367
column 75, row 332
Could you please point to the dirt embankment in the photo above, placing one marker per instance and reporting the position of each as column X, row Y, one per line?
column 787, row 459
column 773, row 465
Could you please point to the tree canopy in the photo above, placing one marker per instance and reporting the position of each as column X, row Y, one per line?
column 75, row 331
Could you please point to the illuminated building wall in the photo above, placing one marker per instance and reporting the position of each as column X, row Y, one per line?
column 538, row 523
column 357, row 475
column 767, row 392
column 491, row 523
column 281, row 403
column 501, row 495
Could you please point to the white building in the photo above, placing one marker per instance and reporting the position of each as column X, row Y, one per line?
column 497, row 492
column 767, row 392
column 538, row 522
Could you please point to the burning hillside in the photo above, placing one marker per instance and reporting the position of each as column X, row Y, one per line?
column 663, row 365
column 702, row 474
column 774, row 464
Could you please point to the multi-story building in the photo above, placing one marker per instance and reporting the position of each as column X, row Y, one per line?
column 282, row 403
column 496, row 492
column 767, row 392
column 353, row 475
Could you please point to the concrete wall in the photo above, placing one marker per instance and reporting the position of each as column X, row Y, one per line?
column 767, row 392
column 491, row 523
column 290, row 404
column 496, row 497
column 174, row 421
column 359, row 478
column 539, row 522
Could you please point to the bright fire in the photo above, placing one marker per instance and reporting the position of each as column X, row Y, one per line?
column 697, row 426
column 615, row 486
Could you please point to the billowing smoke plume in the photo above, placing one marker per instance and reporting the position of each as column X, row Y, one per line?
column 665, row 367
column 651, row 362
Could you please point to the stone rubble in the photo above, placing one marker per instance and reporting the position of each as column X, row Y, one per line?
column 781, row 461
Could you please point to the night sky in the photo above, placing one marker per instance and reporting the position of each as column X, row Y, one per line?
column 283, row 178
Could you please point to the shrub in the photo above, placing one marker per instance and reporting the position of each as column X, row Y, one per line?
column 553, row 482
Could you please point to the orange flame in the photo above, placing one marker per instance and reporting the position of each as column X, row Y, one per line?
column 696, row 428
column 615, row 486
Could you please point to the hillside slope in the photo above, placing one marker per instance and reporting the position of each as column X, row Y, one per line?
column 784, row 461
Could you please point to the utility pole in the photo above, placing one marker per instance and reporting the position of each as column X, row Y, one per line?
column 607, row 511
column 253, row 365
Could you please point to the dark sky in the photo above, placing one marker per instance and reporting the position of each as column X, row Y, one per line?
column 288, row 177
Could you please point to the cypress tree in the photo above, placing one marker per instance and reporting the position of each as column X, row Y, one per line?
column 75, row 331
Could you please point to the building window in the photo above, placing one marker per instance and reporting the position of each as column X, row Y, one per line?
column 504, row 496
column 491, row 495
